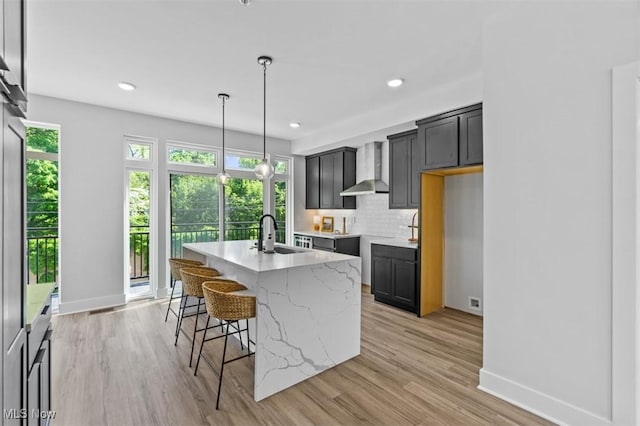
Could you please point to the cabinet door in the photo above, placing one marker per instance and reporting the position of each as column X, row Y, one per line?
column 440, row 140
column 381, row 276
column 471, row 138
column 338, row 180
column 14, row 54
column 33, row 394
column 416, row 153
column 404, row 281
column 348, row 179
column 313, row 183
column 45, row 377
column 398, row 173
column 326, row 181
column 13, row 235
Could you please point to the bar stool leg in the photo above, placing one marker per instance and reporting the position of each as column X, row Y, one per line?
column 248, row 340
column 195, row 328
column 224, row 352
column 173, row 288
column 181, row 315
column 195, row 373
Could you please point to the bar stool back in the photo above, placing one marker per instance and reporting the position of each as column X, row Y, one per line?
column 192, row 279
column 225, row 303
column 176, row 263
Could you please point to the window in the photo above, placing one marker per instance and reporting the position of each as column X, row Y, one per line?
column 194, row 210
column 42, row 204
column 242, row 208
column 241, row 161
column 139, row 151
column 192, row 156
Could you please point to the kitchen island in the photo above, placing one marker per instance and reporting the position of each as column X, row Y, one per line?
column 307, row 313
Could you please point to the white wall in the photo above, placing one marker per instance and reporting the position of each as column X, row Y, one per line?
column 547, row 204
column 463, row 241
column 92, row 191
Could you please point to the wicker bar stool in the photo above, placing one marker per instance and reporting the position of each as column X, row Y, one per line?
column 176, row 264
column 192, row 279
column 224, row 301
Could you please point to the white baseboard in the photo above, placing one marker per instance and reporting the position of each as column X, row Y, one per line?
column 538, row 403
column 92, row 304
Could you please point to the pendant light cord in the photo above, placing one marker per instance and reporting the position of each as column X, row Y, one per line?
column 264, row 114
column 223, row 102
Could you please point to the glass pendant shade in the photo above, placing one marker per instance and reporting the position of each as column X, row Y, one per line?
column 223, row 177
column 264, row 170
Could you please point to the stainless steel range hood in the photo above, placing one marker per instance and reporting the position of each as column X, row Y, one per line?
column 373, row 163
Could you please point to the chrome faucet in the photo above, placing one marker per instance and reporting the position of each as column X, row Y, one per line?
column 260, row 231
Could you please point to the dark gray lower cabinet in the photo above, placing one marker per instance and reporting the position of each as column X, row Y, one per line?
column 344, row 245
column 39, row 385
column 394, row 276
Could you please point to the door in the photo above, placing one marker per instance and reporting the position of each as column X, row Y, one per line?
column 195, row 210
column 140, row 230
column 243, row 207
column 13, row 282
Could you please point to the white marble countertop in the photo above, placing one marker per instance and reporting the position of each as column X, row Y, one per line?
column 395, row 242
column 242, row 254
column 326, row 234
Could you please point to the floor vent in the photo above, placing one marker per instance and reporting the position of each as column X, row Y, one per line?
column 474, row 303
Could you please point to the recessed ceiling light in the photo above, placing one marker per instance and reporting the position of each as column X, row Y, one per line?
column 294, row 124
column 126, row 86
column 396, row 82
column 245, row 2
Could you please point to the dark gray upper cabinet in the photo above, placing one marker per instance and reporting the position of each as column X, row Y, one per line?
column 313, row 183
column 405, row 165
column 471, row 138
column 328, row 174
column 440, row 141
column 451, row 139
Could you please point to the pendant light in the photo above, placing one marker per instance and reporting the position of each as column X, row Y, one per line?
column 223, row 176
column 264, row 170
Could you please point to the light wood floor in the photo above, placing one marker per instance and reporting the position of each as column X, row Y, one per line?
column 120, row 367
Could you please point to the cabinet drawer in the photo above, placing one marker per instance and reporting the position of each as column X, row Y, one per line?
column 324, row 243
column 379, row 250
column 39, row 327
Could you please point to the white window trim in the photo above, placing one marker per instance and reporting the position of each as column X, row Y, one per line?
column 151, row 166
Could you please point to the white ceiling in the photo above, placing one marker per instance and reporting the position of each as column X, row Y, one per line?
column 331, row 58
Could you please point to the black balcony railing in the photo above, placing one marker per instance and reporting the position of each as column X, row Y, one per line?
column 42, row 255
column 42, row 261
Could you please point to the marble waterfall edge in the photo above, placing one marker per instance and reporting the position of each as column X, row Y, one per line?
column 309, row 321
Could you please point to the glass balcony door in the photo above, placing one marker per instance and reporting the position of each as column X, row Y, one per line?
column 195, row 211
column 242, row 208
column 139, row 200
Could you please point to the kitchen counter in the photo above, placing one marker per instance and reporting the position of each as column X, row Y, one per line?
column 325, row 234
column 37, row 297
column 307, row 308
column 244, row 255
column 395, row 242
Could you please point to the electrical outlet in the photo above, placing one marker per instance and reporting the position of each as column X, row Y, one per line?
column 475, row 304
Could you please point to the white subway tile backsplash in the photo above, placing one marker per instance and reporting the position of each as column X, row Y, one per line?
column 373, row 217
